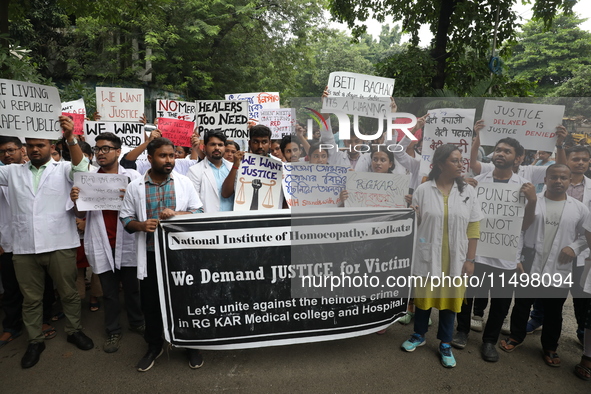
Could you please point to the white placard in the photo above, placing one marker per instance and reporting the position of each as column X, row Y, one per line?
column 100, row 192
column 131, row 134
column 258, row 184
column 173, row 109
column 313, row 185
column 359, row 94
column 29, row 110
column 257, row 102
column 370, row 189
column 280, row 121
column 533, row 125
column 74, row 107
column 503, row 207
column 120, row 104
column 447, row 126
column 229, row 117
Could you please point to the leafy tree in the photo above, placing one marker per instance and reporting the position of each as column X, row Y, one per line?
column 456, row 24
column 550, row 57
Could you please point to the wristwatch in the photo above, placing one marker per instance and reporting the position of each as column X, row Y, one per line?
column 559, row 146
column 74, row 142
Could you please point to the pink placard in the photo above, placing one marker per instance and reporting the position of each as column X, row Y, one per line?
column 176, row 130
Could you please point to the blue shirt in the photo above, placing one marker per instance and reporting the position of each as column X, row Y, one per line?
column 220, row 174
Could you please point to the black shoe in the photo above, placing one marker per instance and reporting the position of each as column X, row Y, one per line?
column 489, row 352
column 147, row 361
column 460, row 340
column 32, row 354
column 81, row 340
column 195, row 358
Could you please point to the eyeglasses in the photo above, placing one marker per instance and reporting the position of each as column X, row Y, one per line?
column 103, row 149
column 8, row 151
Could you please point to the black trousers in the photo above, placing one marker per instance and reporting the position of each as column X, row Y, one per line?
column 150, row 298
column 12, row 301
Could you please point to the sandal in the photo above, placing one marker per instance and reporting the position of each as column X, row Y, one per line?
column 550, row 357
column 94, row 306
column 49, row 332
column 58, row 316
column 11, row 336
column 509, row 345
column 582, row 371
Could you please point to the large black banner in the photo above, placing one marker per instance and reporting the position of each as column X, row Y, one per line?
column 252, row 279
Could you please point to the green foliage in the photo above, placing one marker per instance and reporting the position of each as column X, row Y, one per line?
column 550, row 56
column 17, row 64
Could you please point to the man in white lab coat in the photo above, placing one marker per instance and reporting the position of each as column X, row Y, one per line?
column 209, row 174
column 45, row 236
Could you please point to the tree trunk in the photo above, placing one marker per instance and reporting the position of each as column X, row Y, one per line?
column 439, row 51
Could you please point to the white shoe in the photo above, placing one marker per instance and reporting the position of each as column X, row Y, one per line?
column 476, row 323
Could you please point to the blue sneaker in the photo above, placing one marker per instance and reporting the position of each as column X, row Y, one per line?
column 447, row 358
column 533, row 325
column 414, row 342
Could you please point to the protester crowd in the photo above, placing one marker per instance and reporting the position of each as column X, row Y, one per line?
column 48, row 244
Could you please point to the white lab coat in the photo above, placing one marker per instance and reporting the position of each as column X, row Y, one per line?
column 181, row 166
column 337, row 157
column 499, row 263
column 412, row 164
column 5, row 221
column 533, row 174
column 96, row 242
column 463, row 209
column 134, row 205
column 206, row 185
column 570, row 233
column 40, row 222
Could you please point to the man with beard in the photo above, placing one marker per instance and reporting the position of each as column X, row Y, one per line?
column 111, row 250
column 37, row 192
column 209, row 174
column 159, row 194
column 506, row 152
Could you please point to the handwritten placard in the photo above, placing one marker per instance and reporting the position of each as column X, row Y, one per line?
column 120, row 104
column 131, row 134
column 447, row 126
column 257, row 102
column 29, row 110
column 173, row 109
column 176, row 130
column 503, row 207
column 358, row 94
column 78, row 120
column 280, row 121
column 229, row 117
column 313, row 185
column 258, row 184
column 533, row 125
column 74, row 107
column 100, row 191
column 370, row 189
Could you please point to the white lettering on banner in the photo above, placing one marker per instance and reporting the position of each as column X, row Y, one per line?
column 29, row 110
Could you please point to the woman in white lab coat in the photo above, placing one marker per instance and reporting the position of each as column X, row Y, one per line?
column 448, row 232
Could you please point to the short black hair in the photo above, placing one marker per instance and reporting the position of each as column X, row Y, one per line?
column 288, row 139
column 85, row 146
column 519, row 150
column 15, row 140
column 557, row 166
column 313, row 148
column 232, row 143
column 158, row 143
column 107, row 136
column 576, row 149
column 260, row 130
column 214, row 133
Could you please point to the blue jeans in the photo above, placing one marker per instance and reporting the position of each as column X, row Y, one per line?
column 446, row 323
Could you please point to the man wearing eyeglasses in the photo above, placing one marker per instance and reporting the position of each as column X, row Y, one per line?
column 45, row 236
column 111, row 251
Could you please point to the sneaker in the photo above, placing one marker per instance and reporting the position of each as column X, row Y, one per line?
column 533, row 325
column 138, row 329
column 414, row 342
column 460, row 340
column 447, row 358
column 506, row 329
column 476, row 323
column 489, row 352
column 111, row 345
column 147, row 361
column 406, row 319
column 195, row 358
